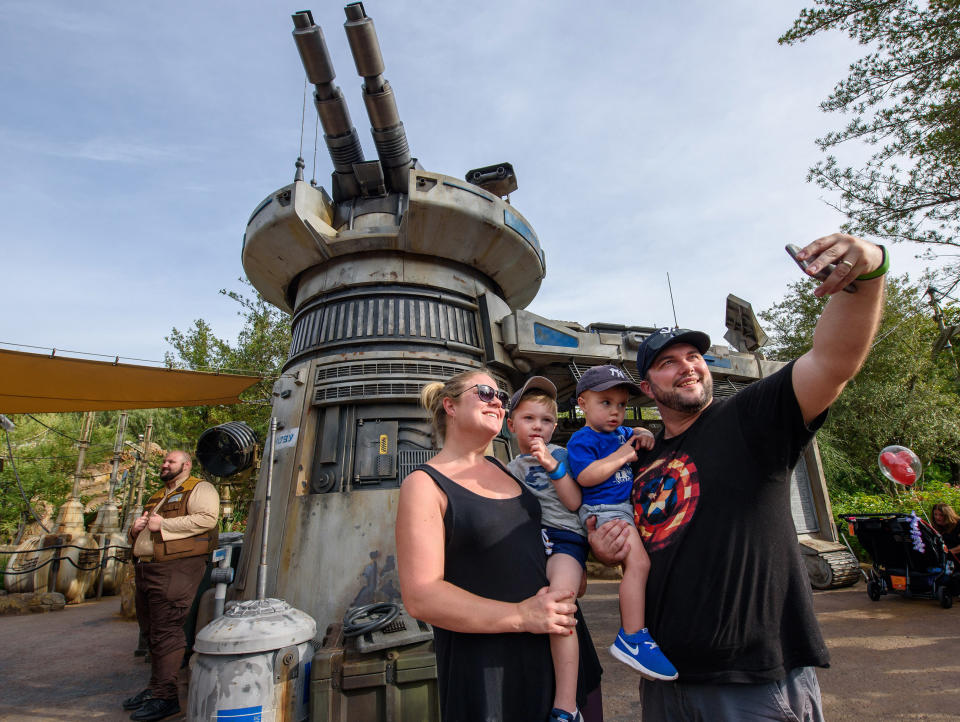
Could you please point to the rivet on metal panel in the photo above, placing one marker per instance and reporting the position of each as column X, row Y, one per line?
column 285, row 664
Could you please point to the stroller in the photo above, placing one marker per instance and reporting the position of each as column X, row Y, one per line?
column 898, row 567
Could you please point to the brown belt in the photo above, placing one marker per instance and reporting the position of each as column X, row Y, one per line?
column 144, row 560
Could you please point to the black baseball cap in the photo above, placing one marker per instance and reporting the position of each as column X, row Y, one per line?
column 539, row 383
column 664, row 338
column 601, row 378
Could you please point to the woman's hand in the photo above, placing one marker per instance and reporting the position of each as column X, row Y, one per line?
column 548, row 612
column 609, row 542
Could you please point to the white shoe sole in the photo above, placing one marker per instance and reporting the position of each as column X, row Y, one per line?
column 622, row 656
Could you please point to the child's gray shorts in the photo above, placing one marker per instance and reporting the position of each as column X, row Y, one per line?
column 606, row 512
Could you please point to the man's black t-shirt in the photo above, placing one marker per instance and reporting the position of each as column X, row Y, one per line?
column 728, row 598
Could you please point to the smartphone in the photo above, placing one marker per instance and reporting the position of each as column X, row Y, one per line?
column 823, row 273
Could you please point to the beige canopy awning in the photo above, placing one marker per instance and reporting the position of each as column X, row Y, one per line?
column 32, row 383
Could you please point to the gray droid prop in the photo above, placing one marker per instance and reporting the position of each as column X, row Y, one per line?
column 395, row 278
column 252, row 663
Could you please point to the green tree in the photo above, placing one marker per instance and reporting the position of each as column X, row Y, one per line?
column 261, row 348
column 40, row 462
column 903, row 97
column 901, row 396
column 44, row 451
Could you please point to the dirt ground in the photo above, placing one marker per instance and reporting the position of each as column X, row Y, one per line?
column 894, row 660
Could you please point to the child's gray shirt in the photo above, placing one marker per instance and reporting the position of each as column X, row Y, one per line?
column 534, row 476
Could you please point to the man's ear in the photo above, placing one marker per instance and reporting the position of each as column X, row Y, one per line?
column 645, row 388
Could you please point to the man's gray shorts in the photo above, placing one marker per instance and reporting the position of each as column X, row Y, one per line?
column 606, row 512
column 794, row 699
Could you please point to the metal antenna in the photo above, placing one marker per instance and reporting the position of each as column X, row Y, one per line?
column 303, row 115
column 316, row 135
column 298, row 176
column 670, row 288
column 262, row 570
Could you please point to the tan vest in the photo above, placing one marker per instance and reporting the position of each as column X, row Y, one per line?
column 176, row 505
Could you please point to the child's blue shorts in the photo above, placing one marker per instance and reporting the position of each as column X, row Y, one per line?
column 562, row 541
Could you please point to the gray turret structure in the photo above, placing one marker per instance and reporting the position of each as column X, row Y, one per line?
column 398, row 277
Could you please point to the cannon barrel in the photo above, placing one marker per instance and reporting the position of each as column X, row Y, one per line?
column 387, row 129
column 343, row 142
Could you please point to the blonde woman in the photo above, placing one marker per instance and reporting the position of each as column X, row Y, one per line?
column 472, row 563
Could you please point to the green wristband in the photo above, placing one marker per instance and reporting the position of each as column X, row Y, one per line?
column 879, row 270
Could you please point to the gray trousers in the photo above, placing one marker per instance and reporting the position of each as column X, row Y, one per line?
column 794, row 699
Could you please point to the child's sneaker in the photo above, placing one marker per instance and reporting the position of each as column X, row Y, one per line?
column 559, row 715
column 643, row 654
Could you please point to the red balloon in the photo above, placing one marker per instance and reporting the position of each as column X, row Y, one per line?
column 905, row 456
column 888, row 459
column 903, row 473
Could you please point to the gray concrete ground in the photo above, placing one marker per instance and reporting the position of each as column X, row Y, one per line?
column 892, row 659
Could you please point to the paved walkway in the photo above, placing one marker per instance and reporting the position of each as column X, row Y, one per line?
column 75, row 664
column 896, row 659
column 892, row 659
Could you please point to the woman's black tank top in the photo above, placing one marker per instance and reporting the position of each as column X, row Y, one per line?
column 493, row 549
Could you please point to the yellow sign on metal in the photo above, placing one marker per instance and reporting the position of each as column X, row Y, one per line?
column 383, row 444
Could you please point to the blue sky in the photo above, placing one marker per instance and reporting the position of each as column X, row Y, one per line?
column 137, row 138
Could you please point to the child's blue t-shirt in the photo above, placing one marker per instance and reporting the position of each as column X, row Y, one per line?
column 587, row 446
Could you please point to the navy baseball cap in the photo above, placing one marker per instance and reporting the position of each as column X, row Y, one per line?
column 664, row 338
column 601, row 378
column 538, row 383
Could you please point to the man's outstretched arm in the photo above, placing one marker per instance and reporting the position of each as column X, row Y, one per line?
column 848, row 324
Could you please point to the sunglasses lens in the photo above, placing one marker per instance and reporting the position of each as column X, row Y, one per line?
column 487, row 394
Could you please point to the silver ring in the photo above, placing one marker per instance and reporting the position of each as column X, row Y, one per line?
column 846, row 263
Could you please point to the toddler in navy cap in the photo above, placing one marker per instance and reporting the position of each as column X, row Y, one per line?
column 599, row 456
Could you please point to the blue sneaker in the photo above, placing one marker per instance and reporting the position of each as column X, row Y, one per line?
column 560, row 715
column 643, row 654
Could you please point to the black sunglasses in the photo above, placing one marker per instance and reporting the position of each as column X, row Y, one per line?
column 488, row 394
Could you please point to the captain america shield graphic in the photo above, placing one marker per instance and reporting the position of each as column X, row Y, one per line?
column 666, row 495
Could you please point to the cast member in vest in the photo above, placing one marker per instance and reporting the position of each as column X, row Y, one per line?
column 171, row 544
column 728, row 597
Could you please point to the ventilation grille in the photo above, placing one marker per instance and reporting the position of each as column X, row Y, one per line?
column 390, row 368
column 413, row 319
column 722, row 388
column 410, row 459
column 368, row 392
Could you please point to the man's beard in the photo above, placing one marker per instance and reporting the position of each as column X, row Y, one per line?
column 168, row 475
column 671, row 397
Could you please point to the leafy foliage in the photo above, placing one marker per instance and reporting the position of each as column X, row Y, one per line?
column 44, row 458
column 44, row 445
column 901, row 395
column 903, row 97
column 261, row 347
column 929, row 491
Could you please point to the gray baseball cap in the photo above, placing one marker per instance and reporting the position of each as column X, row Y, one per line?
column 539, row 383
column 601, row 378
